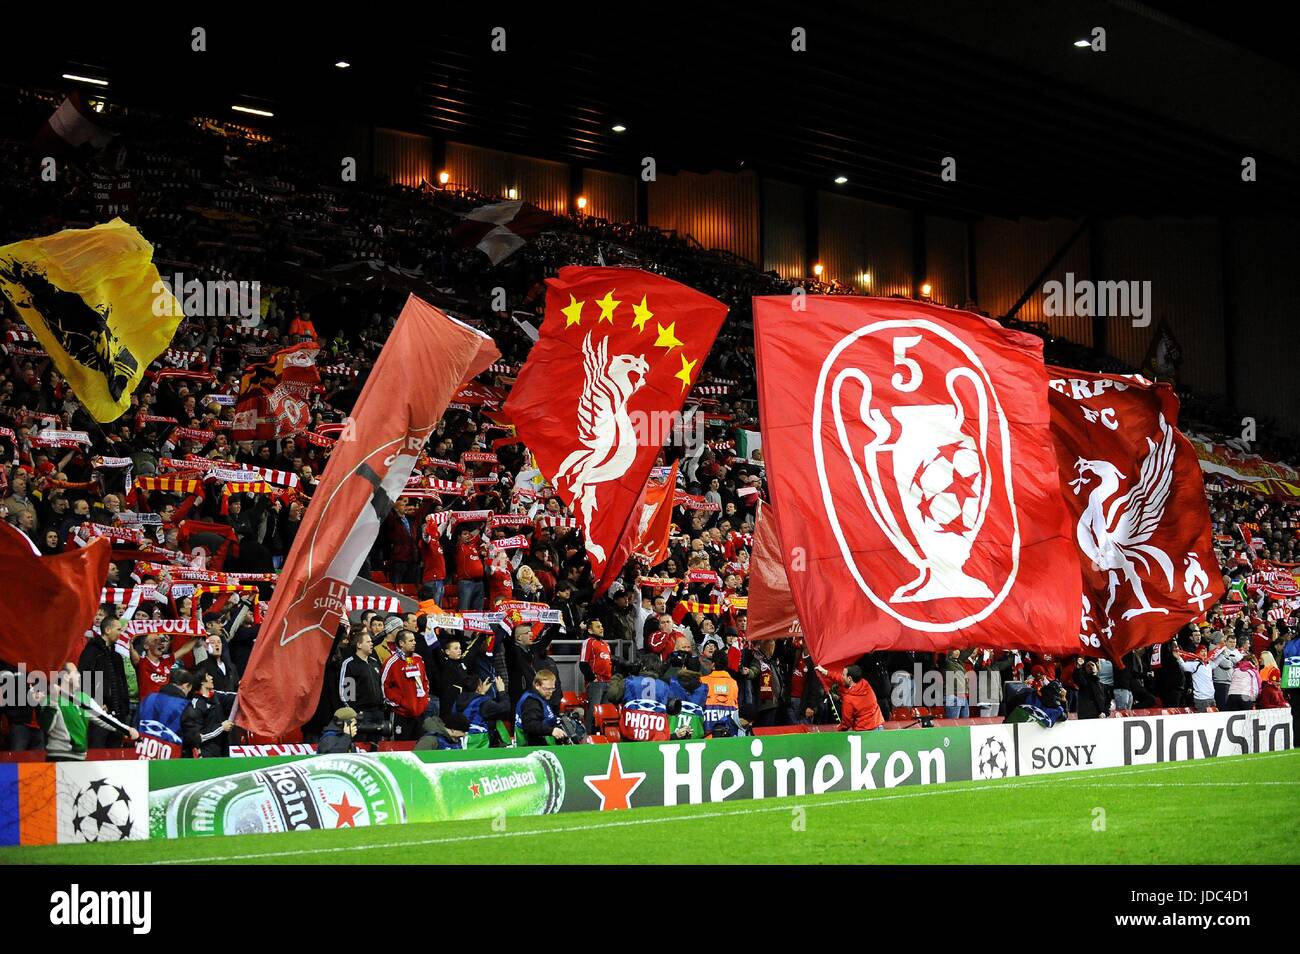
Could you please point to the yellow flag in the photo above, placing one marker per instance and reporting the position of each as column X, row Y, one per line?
column 97, row 304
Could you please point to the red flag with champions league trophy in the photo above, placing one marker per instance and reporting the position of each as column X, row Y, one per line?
column 1132, row 485
column 426, row 358
column 595, row 401
column 910, row 459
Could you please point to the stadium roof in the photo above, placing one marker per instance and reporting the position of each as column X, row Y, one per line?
column 1157, row 124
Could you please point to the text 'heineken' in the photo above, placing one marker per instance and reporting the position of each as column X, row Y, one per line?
column 351, row 791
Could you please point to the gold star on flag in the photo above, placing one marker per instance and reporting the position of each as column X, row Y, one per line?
column 642, row 315
column 684, row 375
column 667, row 337
column 572, row 312
column 607, row 306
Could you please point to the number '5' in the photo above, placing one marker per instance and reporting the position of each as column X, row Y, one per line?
column 902, row 360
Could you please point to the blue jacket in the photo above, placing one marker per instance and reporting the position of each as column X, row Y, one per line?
column 692, row 702
column 161, row 712
column 645, row 694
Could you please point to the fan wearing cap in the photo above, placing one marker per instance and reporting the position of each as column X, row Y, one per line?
column 388, row 645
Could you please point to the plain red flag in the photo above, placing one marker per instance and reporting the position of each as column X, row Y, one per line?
column 772, row 613
column 1132, row 484
column 47, row 602
column 910, row 459
column 602, row 389
column 426, row 358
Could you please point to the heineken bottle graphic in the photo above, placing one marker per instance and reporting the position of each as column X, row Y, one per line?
column 352, row 791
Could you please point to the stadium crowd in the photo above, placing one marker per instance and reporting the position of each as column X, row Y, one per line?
column 335, row 264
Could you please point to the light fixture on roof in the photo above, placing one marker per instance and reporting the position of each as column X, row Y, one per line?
column 252, row 111
column 444, row 177
column 926, row 290
column 93, row 80
column 866, row 278
column 818, row 269
column 840, row 180
column 512, row 193
column 342, row 64
column 1082, row 43
column 619, row 127
column 582, row 201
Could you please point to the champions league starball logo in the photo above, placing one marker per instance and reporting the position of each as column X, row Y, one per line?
column 913, row 457
column 101, row 811
column 991, row 761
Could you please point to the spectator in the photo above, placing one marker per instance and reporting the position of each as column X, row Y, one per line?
column 1244, row 688
column 525, row 656
column 100, row 666
column 1224, row 665
column 536, row 722
column 402, row 543
column 162, row 712
column 360, row 687
column 1201, row 668
column 392, row 625
column 484, row 706
column 154, row 668
column 596, row 663
column 67, row 717
column 204, row 726
column 859, row 711
column 406, row 687
column 469, row 572
column 1093, row 702
column 339, row 735
column 956, row 703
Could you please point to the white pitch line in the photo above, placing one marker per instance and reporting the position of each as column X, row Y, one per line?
column 785, row 806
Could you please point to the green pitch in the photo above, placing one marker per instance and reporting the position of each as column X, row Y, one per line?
column 1142, row 815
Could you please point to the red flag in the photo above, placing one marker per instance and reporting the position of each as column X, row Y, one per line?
column 912, row 466
column 47, row 603
column 275, row 395
column 771, row 613
column 427, row 357
column 1132, row 484
column 601, row 389
column 655, row 521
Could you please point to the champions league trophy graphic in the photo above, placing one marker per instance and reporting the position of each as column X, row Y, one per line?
column 940, row 476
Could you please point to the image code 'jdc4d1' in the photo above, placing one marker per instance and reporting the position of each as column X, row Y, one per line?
column 352, row 791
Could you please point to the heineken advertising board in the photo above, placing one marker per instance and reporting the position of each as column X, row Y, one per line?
column 251, row 795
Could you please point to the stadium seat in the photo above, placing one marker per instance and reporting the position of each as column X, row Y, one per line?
column 573, row 700
column 605, row 717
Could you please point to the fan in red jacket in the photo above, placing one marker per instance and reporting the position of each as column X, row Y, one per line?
column 859, row 710
column 406, row 687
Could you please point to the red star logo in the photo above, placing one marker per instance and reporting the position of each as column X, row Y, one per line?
column 948, row 451
column 475, row 790
column 614, row 788
column 955, row 526
column 924, row 507
column 962, row 487
column 345, row 813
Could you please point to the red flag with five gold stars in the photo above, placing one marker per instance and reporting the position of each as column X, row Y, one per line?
column 599, row 394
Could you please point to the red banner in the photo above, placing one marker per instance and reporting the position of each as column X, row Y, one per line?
column 772, row 614
column 275, row 396
column 911, row 462
column 427, row 357
column 1132, row 484
column 639, row 341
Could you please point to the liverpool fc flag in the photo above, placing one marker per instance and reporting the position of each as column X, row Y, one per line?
column 910, row 459
column 1132, row 485
column 275, row 395
column 426, row 358
column 596, row 399
column 94, row 300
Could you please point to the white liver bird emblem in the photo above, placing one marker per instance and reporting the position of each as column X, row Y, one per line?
column 604, row 427
column 1113, row 533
